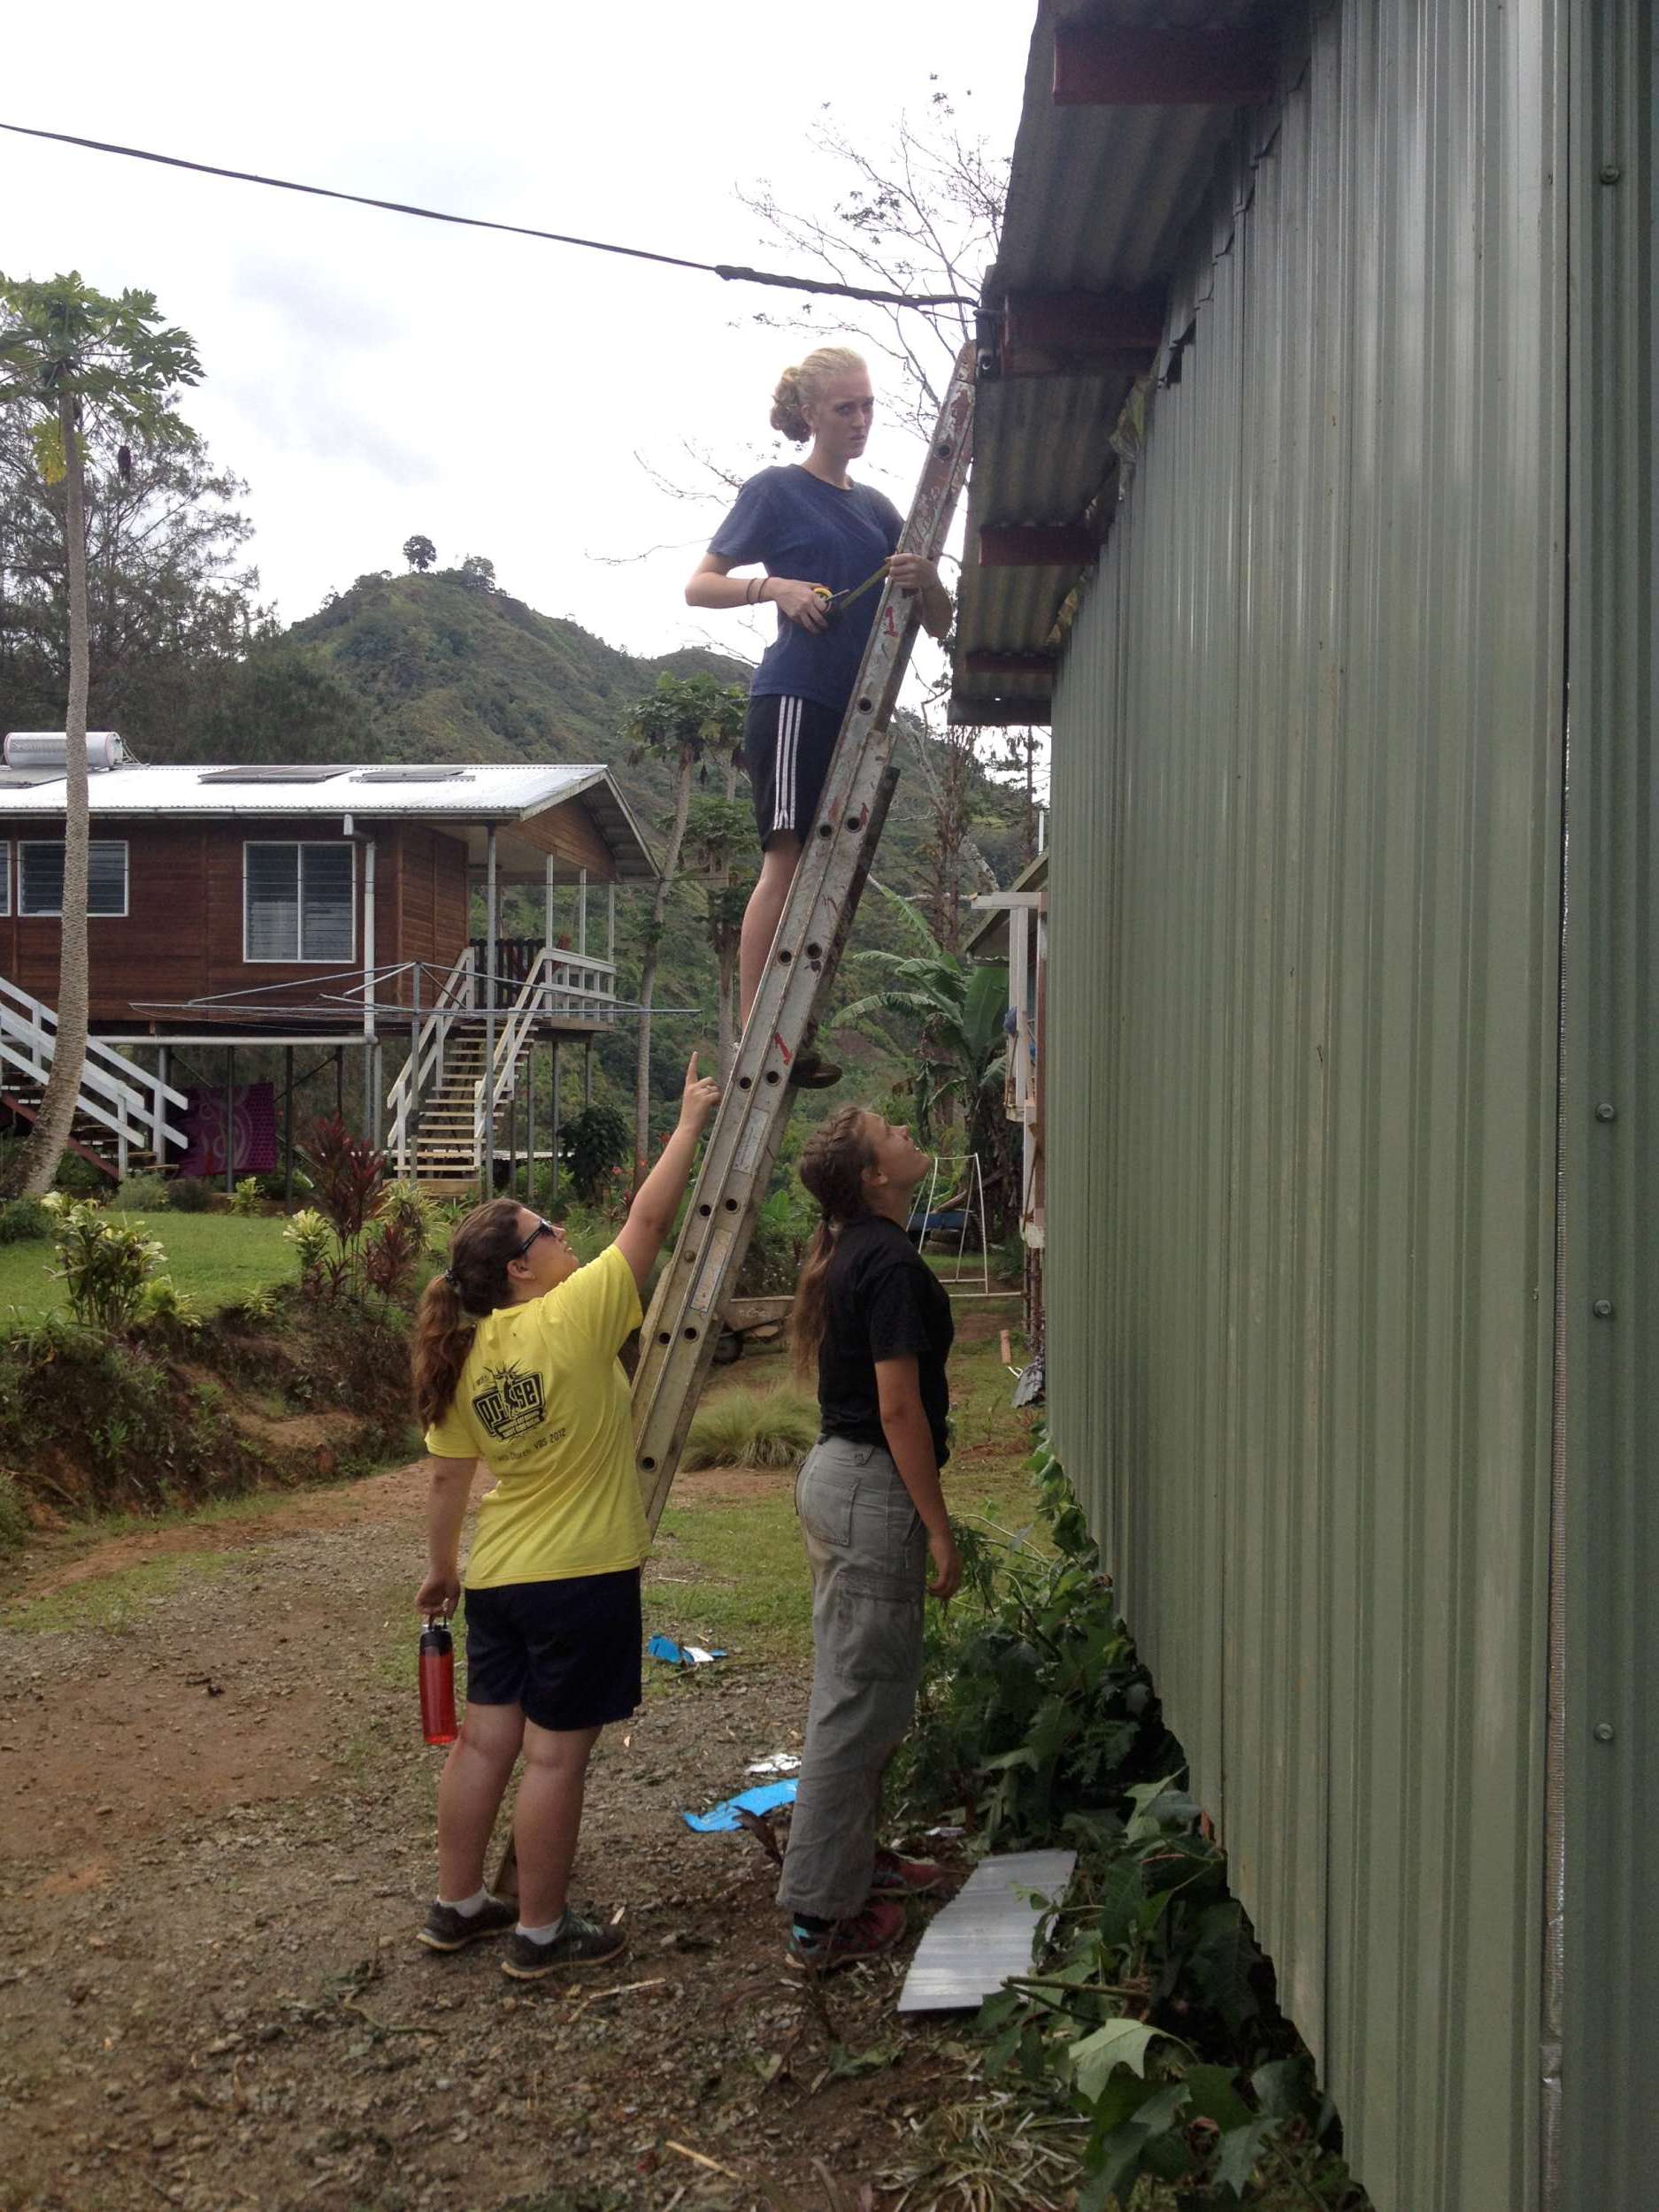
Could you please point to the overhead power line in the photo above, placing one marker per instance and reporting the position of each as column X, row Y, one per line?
column 730, row 273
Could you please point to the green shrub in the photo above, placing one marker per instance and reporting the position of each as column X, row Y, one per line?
column 14, row 1521
column 169, row 1310
column 141, row 1194
column 248, row 1196
column 191, row 1194
column 77, row 1177
column 772, row 1266
column 103, row 1264
column 752, row 1428
column 22, row 1220
column 91, row 1421
column 313, row 1243
column 594, row 1144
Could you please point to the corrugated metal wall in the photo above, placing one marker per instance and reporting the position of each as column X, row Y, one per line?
column 1305, row 967
column 1608, row 1626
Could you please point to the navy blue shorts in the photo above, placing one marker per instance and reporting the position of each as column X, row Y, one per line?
column 788, row 746
column 568, row 1651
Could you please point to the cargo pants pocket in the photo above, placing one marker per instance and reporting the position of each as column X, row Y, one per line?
column 876, row 1626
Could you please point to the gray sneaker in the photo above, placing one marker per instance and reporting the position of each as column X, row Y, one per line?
column 580, row 1942
column 447, row 1930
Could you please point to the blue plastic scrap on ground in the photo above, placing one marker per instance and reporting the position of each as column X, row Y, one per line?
column 764, row 1800
column 665, row 1647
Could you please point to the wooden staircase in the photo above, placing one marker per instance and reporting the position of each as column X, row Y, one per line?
column 125, row 1116
column 90, row 1140
column 447, row 1155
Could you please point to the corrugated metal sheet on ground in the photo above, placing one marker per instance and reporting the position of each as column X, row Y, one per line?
column 1307, row 771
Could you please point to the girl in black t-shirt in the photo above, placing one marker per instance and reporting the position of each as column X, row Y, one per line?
column 873, row 1322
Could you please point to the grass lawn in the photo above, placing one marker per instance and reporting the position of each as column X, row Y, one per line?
column 731, row 1570
column 217, row 1258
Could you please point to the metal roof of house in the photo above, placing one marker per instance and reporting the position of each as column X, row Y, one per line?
column 1101, row 200
column 464, row 794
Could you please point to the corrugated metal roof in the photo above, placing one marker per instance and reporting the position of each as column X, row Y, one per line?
column 467, row 793
column 1099, row 200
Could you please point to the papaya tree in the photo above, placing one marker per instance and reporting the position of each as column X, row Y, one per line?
column 680, row 722
column 71, row 359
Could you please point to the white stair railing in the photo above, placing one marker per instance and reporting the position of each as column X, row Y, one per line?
column 115, row 1091
column 422, row 1071
column 558, row 982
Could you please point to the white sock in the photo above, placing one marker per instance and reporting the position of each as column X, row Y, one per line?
column 466, row 1906
column 542, row 1935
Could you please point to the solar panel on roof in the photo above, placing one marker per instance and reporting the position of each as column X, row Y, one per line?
column 412, row 775
column 272, row 775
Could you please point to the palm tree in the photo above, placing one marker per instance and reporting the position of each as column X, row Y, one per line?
column 67, row 355
column 683, row 717
column 953, row 1014
column 718, row 831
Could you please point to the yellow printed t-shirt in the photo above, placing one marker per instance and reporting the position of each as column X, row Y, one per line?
column 543, row 1400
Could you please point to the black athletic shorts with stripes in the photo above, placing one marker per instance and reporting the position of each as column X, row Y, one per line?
column 787, row 746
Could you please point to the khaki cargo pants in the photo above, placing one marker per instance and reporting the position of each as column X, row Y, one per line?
column 868, row 1553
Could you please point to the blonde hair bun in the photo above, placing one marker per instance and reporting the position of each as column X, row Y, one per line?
column 800, row 387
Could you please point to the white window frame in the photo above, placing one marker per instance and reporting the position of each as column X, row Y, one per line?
column 297, row 845
column 56, row 913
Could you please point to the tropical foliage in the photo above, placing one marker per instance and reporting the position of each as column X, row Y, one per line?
column 682, row 720
column 948, row 1016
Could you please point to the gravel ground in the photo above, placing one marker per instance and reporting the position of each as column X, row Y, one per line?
column 217, row 1840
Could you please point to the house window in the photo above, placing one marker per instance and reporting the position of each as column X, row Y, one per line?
column 297, row 902
column 41, row 877
column 5, row 879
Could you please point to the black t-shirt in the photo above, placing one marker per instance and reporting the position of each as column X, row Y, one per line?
column 882, row 1301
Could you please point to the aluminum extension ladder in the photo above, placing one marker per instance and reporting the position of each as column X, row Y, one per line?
column 677, row 1342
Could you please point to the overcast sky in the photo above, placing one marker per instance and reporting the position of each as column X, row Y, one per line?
column 373, row 376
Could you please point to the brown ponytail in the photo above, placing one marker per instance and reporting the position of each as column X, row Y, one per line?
column 833, row 1163
column 475, row 1282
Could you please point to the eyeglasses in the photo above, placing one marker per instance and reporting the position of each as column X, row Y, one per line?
column 541, row 1229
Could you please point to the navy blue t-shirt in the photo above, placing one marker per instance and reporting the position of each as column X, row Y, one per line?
column 797, row 524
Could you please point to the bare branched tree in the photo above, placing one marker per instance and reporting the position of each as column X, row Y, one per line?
column 923, row 215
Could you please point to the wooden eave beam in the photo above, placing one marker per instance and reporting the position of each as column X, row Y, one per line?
column 1054, row 333
column 999, row 714
column 1047, row 545
column 990, row 664
column 1110, row 65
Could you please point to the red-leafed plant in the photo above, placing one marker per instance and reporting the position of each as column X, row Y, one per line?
column 348, row 1176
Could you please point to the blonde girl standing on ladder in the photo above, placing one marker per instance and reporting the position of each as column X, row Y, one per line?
column 814, row 532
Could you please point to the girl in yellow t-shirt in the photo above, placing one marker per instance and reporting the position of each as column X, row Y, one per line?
column 516, row 1366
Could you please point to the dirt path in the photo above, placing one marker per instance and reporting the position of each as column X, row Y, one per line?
column 216, row 1835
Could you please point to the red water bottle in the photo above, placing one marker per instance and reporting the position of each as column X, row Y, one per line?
column 437, row 1682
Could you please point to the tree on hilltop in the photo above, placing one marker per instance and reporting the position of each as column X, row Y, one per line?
column 420, row 553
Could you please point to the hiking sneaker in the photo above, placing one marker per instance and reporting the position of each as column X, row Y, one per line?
column 901, row 1878
column 580, row 1942
column 865, row 1935
column 447, row 1930
column 812, row 1073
